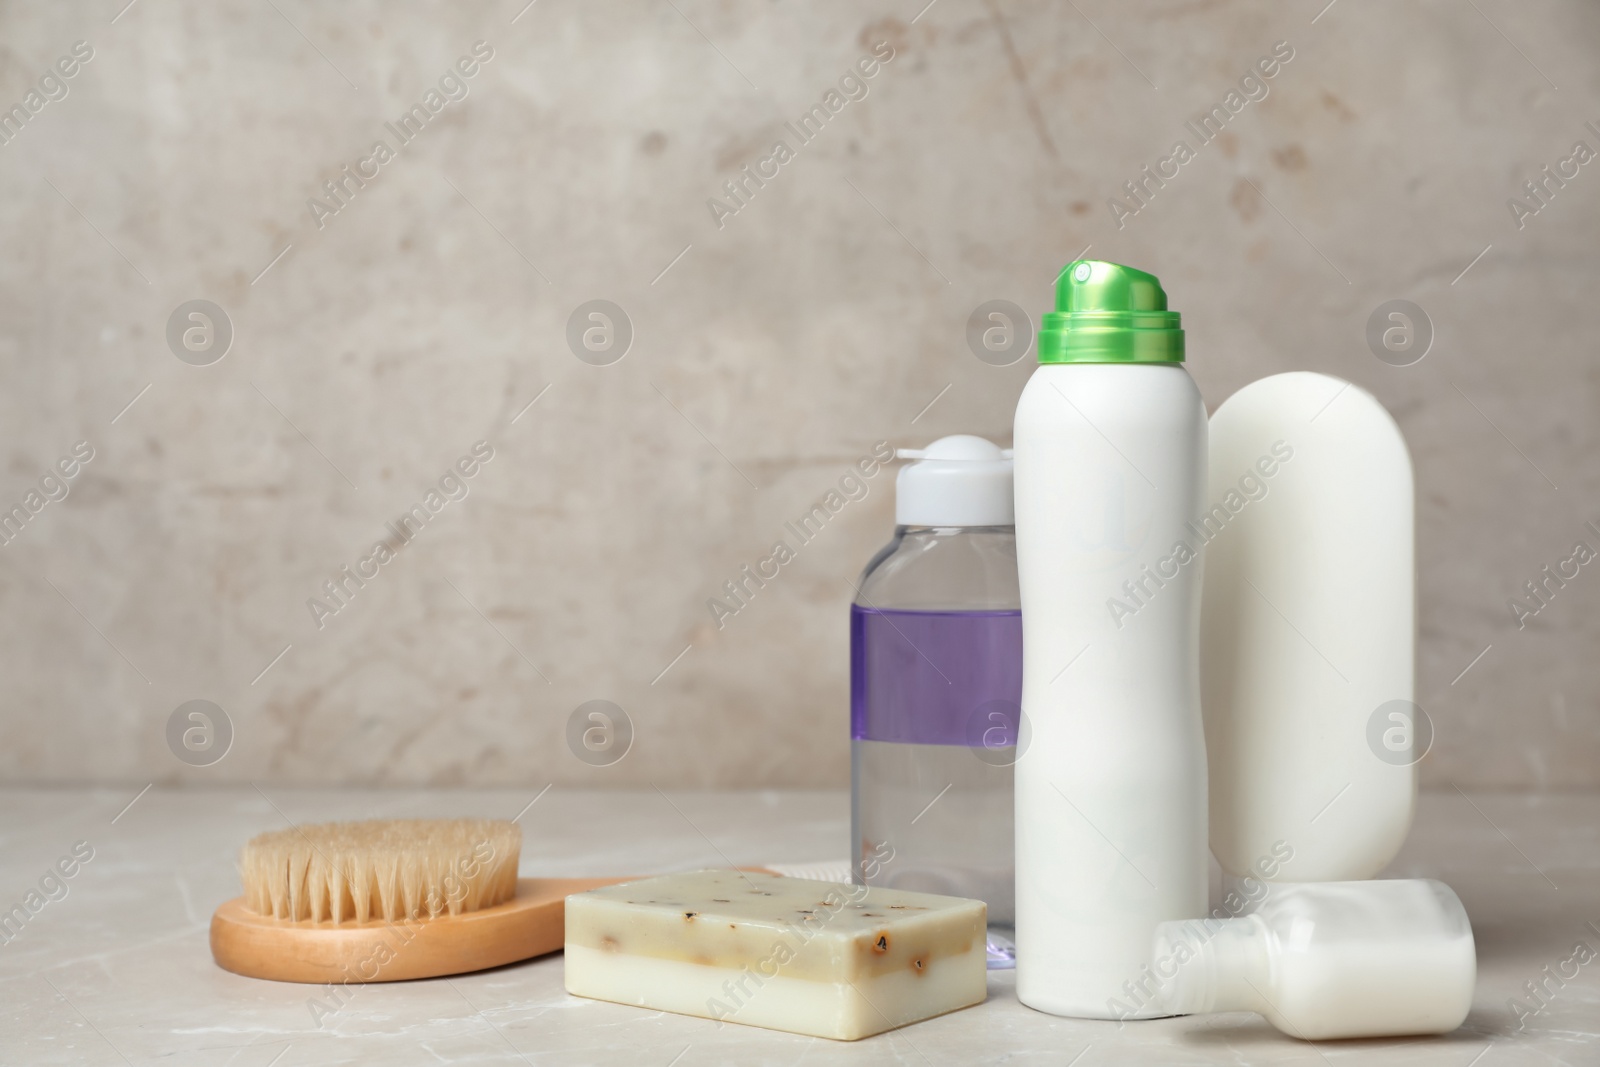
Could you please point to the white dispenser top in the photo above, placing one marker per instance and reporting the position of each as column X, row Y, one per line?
column 960, row 480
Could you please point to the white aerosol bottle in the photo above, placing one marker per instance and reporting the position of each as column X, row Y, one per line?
column 1110, row 469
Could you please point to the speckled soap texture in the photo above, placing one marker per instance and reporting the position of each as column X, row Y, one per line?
column 789, row 954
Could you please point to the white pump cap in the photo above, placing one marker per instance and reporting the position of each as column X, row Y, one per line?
column 959, row 480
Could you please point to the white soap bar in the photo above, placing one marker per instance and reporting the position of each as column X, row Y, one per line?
column 785, row 953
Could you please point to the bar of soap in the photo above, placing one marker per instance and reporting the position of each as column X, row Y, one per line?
column 792, row 954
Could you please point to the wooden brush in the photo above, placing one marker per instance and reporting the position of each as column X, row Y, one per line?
column 387, row 900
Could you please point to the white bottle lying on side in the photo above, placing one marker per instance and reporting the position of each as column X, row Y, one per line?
column 1328, row 960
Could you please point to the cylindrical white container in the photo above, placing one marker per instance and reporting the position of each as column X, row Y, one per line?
column 1110, row 467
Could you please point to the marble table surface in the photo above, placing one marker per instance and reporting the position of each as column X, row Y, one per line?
column 117, row 971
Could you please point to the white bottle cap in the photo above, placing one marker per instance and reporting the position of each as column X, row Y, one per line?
column 959, row 480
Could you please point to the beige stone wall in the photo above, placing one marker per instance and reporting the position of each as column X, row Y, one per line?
column 769, row 352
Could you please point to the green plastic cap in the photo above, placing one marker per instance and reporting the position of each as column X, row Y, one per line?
column 1108, row 313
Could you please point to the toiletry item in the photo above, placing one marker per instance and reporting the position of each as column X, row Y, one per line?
column 791, row 954
column 1309, row 631
column 387, row 900
column 1330, row 959
column 392, row 900
column 1110, row 442
column 935, row 684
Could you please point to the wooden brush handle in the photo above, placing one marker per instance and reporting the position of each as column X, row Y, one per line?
column 530, row 924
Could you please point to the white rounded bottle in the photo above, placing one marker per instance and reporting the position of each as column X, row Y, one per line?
column 1308, row 654
column 1110, row 468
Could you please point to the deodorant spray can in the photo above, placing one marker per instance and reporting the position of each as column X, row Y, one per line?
column 1110, row 470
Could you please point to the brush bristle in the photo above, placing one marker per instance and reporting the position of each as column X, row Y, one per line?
column 389, row 869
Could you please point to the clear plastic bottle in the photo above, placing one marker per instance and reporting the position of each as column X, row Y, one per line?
column 1328, row 960
column 936, row 684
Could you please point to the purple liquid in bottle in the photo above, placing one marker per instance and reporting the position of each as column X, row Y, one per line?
column 931, row 677
column 934, row 713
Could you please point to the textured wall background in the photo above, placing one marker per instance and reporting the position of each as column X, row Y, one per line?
column 768, row 353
